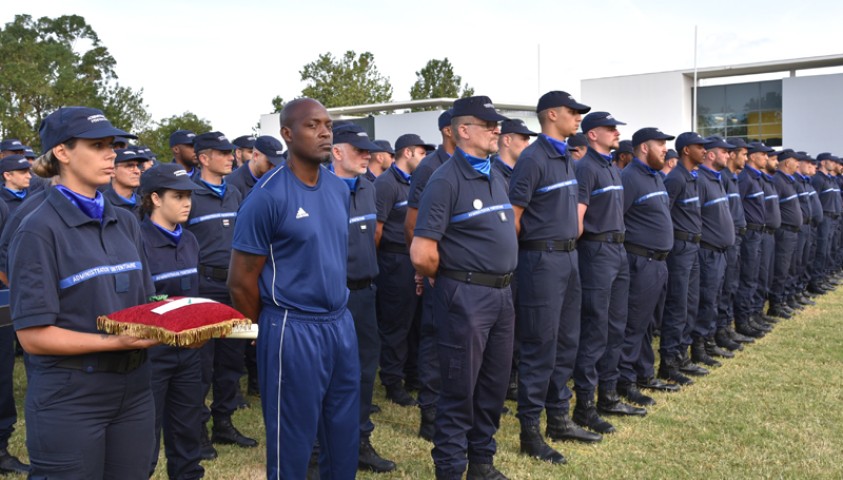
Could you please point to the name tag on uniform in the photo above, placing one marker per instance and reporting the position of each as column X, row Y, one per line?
column 226, row 222
column 362, row 227
column 502, row 216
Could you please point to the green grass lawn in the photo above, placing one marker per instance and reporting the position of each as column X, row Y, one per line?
column 774, row 411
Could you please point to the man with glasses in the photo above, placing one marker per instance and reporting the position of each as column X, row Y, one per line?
column 126, row 180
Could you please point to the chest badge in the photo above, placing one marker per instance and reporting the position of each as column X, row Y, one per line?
column 226, row 223
column 477, row 204
column 502, row 216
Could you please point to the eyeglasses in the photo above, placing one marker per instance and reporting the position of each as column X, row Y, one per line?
column 130, row 165
column 488, row 126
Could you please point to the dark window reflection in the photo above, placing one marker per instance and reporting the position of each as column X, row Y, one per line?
column 752, row 111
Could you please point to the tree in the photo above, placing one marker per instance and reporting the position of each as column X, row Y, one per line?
column 344, row 81
column 278, row 104
column 157, row 137
column 438, row 80
column 53, row 62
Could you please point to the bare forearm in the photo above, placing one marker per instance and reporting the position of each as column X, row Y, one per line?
column 52, row 340
column 424, row 253
column 243, row 275
column 410, row 224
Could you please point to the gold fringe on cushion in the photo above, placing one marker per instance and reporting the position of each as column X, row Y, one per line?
column 177, row 339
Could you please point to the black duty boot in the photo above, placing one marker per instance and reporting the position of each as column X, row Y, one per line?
column 653, row 383
column 562, row 428
column 737, row 337
column 609, row 403
column 713, row 350
column 778, row 311
column 744, row 327
column 805, row 300
column 369, row 460
column 206, row 450
column 699, row 355
column 689, row 368
column 757, row 322
column 225, row 433
column 669, row 370
column 398, row 395
column 484, row 471
column 10, row 463
column 533, row 445
column 585, row 415
column 427, row 426
column 794, row 304
column 724, row 340
column 630, row 392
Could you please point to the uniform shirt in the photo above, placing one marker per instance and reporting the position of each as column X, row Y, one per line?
column 470, row 216
column 504, row 169
column 718, row 228
column 421, row 175
column 791, row 210
column 813, row 199
column 752, row 196
column 242, row 179
column 544, row 183
column 37, row 184
column 212, row 220
column 303, row 232
column 66, row 269
column 11, row 200
column 771, row 202
column 362, row 220
column 684, row 199
column 130, row 204
column 733, row 191
column 600, row 188
column 646, row 208
column 391, row 190
column 804, row 197
column 172, row 264
column 828, row 192
column 14, row 220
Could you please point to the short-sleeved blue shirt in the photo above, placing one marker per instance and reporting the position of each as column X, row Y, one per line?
column 718, row 228
column 303, row 232
column 730, row 183
column 421, row 175
column 684, row 196
column 544, row 183
column 752, row 196
column 600, row 188
column 173, row 265
column 646, row 208
column 828, row 192
column 813, row 199
column 67, row 269
column 791, row 210
column 362, row 220
column 14, row 220
column 504, row 169
column 470, row 216
column 771, row 202
column 804, row 197
column 391, row 190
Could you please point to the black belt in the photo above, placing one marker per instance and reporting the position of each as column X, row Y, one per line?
column 741, row 231
column 709, row 246
column 791, row 228
column 755, row 226
column 390, row 247
column 112, row 362
column 610, row 237
column 645, row 252
column 550, row 245
column 833, row 216
column 475, row 278
column 687, row 237
column 214, row 272
column 807, row 221
column 358, row 284
column 769, row 230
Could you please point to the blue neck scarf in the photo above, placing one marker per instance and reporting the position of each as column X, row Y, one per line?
column 92, row 207
column 646, row 167
column 756, row 172
column 351, row 182
column 174, row 235
column 481, row 165
column 405, row 176
column 21, row 194
column 219, row 190
column 133, row 200
column 716, row 174
column 560, row 146
column 608, row 158
column 768, row 177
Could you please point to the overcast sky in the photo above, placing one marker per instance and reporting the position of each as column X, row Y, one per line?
column 226, row 60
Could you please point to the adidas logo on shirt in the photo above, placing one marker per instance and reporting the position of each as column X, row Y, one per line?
column 301, row 214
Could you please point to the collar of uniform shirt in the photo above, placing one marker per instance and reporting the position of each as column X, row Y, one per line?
column 756, row 172
column 92, row 207
column 351, row 182
column 18, row 193
column 482, row 165
column 173, row 236
column 716, row 174
column 646, row 167
column 767, row 176
column 219, row 190
column 405, row 176
column 789, row 177
column 559, row 145
column 502, row 163
column 133, row 200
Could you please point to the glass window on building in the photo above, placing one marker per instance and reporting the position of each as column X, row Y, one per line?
column 752, row 111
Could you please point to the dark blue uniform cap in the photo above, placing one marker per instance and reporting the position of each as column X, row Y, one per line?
column 717, row 142
column 385, row 146
column 76, row 122
column 825, row 156
column 28, row 152
column 599, row 119
column 170, row 176
column 785, row 154
column 181, row 137
column 557, row 98
column 755, row 147
column 516, row 125
column 130, row 155
column 412, row 140
column 354, row 135
column 120, row 140
column 578, row 140
column 689, row 138
column 649, row 133
column 671, row 153
column 479, row 106
column 12, row 144
column 269, row 146
column 625, row 146
column 245, row 141
column 445, row 118
column 213, row 140
column 14, row 162
column 738, row 142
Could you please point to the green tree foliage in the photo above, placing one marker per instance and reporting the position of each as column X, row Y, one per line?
column 344, row 81
column 157, row 137
column 52, row 62
column 278, row 104
column 438, row 80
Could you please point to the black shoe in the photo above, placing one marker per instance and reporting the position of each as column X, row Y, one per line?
column 654, row 383
column 723, row 340
column 10, row 464
column 484, row 471
column 585, row 415
column 669, row 370
column 794, row 304
column 225, row 433
column 700, row 355
column 369, row 460
column 533, row 445
column 778, row 311
column 374, row 409
column 609, row 403
column 630, row 392
column 746, row 329
column 760, row 325
column 398, row 395
column 427, row 427
column 689, row 368
column 562, row 428
column 206, row 450
column 713, row 350
column 805, row 300
column 816, row 289
column 737, row 337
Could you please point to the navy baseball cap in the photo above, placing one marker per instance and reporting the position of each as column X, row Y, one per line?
column 28, row 152
column 599, row 119
column 121, row 140
column 557, row 98
column 130, row 155
column 269, row 146
column 479, row 106
column 689, row 138
column 76, row 122
column 245, row 141
column 516, row 125
column 385, row 146
column 412, row 140
column 738, row 142
column 213, row 140
column 755, row 147
column 12, row 144
column 445, row 118
column 671, row 153
column 181, row 137
column 649, row 133
column 825, row 156
column 170, row 176
column 14, row 162
column 717, row 142
column 354, row 135
column 578, row 140
column 624, row 146
column 785, row 154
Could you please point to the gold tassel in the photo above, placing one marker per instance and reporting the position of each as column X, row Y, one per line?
column 176, row 339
